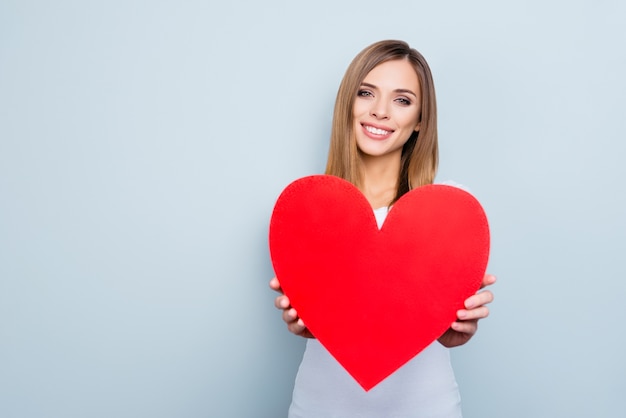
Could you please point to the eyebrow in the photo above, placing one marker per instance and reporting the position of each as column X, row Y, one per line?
column 395, row 91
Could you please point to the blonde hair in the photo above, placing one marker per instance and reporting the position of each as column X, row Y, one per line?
column 419, row 154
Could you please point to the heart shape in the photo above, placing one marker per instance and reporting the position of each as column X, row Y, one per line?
column 376, row 298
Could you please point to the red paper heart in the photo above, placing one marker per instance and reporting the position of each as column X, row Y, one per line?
column 376, row 298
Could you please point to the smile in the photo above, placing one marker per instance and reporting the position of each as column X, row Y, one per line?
column 376, row 131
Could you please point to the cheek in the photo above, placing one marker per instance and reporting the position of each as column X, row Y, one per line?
column 359, row 108
column 412, row 121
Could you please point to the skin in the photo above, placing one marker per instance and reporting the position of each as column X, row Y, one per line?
column 389, row 99
column 386, row 112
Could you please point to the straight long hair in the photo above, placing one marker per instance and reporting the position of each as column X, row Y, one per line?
column 420, row 153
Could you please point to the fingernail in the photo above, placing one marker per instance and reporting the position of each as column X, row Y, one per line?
column 461, row 314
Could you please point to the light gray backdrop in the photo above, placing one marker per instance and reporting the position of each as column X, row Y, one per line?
column 143, row 144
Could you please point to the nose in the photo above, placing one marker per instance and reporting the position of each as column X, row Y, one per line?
column 379, row 109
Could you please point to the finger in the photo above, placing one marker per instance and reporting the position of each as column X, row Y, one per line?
column 479, row 299
column 473, row 314
column 488, row 280
column 281, row 302
column 295, row 328
column 465, row 327
column 306, row 333
column 290, row 316
column 275, row 285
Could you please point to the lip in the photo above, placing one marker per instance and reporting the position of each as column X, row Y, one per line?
column 374, row 135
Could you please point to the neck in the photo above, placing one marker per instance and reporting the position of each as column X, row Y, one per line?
column 380, row 178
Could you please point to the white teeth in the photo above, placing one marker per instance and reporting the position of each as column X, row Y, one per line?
column 376, row 131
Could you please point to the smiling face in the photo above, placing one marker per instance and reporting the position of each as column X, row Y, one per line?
column 387, row 109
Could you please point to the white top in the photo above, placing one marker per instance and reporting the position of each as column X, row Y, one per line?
column 423, row 387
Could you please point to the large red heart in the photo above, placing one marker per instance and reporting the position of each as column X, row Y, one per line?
column 376, row 298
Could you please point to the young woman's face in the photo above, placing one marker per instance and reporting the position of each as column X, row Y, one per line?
column 387, row 108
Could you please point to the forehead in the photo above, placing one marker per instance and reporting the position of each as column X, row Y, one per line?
column 393, row 75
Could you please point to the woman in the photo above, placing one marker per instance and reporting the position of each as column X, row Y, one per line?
column 384, row 141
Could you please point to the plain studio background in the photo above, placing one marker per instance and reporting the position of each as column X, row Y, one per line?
column 142, row 147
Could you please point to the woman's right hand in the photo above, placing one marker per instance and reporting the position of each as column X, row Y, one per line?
column 290, row 316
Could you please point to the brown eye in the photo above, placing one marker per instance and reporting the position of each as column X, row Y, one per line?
column 364, row 93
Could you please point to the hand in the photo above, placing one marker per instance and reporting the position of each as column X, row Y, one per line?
column 290, row 316
column 465, row 327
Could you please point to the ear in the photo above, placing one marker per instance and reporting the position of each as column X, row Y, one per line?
column 417, row 127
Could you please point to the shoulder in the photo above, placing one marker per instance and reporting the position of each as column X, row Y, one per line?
column 455, row 184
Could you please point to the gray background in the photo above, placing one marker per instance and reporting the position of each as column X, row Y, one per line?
column 143, row 144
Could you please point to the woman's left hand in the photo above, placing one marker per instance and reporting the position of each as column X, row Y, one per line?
column 466, row 325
